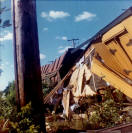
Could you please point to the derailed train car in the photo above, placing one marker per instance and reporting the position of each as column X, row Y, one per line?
column 107, row 60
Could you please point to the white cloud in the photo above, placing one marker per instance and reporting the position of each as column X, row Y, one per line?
column 84, row 16
column 61, row 38
column 58, row 14
column 42, row 56
column 6, row 36
column 64, row 38
column 45, row 29
column 64, row 49
column 44, row 15
column 51, row 15
column 60, row 47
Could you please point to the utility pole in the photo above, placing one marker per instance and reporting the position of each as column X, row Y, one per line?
column 73, row 42
column 26, row 58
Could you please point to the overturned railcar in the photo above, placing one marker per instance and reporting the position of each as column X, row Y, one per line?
column 108, row 57
column 107, row 60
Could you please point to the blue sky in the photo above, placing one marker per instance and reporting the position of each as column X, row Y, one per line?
column 57, row 22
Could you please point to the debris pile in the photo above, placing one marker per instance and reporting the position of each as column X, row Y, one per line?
column 106, row 109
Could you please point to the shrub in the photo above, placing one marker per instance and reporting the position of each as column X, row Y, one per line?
column 5, row 107
column 109, row 112
column 24, row 122
column 46, row 89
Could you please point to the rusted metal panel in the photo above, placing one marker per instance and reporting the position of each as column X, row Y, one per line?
column 50, row 68
column 57, row 66
column 44, row 67
column 53, row 66
column 56, row 63
column 47, row 68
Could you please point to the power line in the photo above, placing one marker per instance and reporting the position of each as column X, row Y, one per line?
column 73, row 41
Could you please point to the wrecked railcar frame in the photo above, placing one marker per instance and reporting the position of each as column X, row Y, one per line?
column 109, row 56
column 102, row 42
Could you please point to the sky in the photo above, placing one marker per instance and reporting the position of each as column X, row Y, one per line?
column 58, row 21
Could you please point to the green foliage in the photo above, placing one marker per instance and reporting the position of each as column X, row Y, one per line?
column 24, row 122
column 108, row 113
column 46, row 89
column 8, row 102
column 119, row 96
column 6, row 108
column 10, row 93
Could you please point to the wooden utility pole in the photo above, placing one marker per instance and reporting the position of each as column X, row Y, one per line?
column 26, row 57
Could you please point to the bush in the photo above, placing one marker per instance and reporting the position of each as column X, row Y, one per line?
column 109, row 112
column 46, row 89
column 10, row 93
column 6, row 108
column 24, row 122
